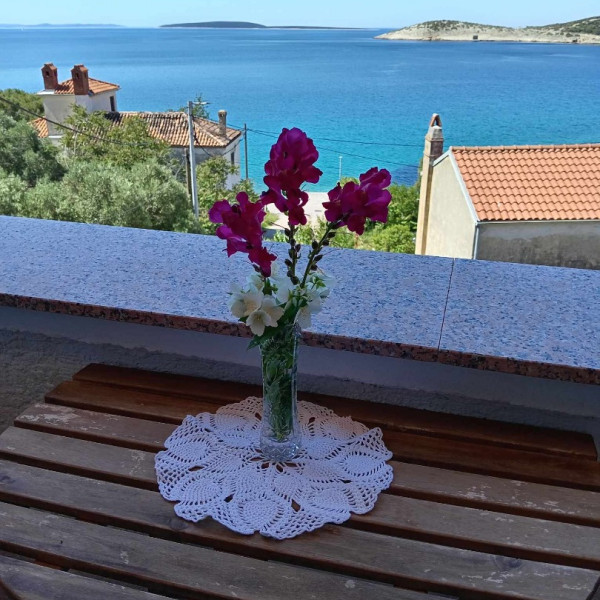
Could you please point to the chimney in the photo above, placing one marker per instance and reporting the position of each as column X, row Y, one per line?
column 50, row 75
column 223, row 122
column 81, row 82
column 434, row 148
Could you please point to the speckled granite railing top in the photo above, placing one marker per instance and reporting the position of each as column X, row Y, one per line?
column 524, row 319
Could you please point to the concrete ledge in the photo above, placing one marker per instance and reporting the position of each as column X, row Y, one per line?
column 542, row 322
column 40, row 349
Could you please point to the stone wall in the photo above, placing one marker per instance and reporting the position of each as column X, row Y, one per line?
column 574, row 244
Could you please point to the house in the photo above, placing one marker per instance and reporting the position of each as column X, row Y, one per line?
column 210, row 138
column 523, row 204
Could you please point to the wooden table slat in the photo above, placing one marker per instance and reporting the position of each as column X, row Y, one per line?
column 182, row 568
column 382, row 415
column 27, row 581
column 105, row 502
column 477, row 509
column 503, row 495
column 421, row 449
column 185, row 567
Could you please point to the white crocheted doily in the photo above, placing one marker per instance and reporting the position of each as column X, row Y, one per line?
column 212, row 467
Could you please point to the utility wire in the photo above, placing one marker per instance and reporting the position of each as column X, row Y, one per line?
column 258, row 131
column 381, row 160
column 262, row 131
column 77, row 131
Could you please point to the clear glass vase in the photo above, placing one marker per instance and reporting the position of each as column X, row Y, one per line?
column 280, row 433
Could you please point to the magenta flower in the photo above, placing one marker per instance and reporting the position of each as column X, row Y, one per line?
column 241, row 227
column 290, row 165
column 354, row 203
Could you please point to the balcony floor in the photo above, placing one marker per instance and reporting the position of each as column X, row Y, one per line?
column 477, row 509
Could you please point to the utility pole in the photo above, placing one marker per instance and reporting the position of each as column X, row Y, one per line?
column 340, row 177
column 194, row 183
column 246, row 148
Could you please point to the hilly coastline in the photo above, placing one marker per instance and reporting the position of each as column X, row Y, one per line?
column 583, row 31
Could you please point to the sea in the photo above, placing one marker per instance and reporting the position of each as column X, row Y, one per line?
column 365, row 102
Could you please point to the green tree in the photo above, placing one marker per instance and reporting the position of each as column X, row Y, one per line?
column 13, row 192
column 393, row 237
column 199, row 109
column 100, row 140
column 31, row 102
column 146, row 196
column 24, row 154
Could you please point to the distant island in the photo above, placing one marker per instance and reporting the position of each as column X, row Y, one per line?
column 246, row 25
column 584, row 31
column 60, row 26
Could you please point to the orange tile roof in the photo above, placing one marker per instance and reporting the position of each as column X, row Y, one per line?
column 172, row 127
column 96, row 87
column 532, row 183
column 41, row 126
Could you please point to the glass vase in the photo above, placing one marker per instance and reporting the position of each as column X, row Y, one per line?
column 280, row 432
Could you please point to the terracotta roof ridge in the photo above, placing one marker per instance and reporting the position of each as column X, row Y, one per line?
column 592, row 145
column 102, row 81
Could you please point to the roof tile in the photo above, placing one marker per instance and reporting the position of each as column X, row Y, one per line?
column 96, row 87
column 528, row 183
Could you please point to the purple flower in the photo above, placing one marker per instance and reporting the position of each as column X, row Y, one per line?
column 241, row 227
column 290, row 165
column 354, row 203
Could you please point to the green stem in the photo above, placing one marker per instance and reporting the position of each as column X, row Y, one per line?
column 315, row 251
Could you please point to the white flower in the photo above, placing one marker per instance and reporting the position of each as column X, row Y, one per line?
column 266, row 315
column 257, row 322
column 243, row 303
column 269, row 306
column 285, row 290
column 256, row 280
column 312, row 307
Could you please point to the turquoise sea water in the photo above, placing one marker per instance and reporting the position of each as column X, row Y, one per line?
column 342, row 87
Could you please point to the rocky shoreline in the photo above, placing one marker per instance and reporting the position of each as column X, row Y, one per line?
column 456, row 31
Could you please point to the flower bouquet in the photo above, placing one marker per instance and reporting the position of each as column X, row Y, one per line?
column 278, row 299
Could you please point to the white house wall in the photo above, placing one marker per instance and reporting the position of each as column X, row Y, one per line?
column 58, row 107
column 451, row 226
column 555, row 243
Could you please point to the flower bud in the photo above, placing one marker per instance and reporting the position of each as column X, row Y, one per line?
column 325, row 242
column 287, row 232
column 298, row 247
column 315, row 245
column 295, row 280
column 291, row 253
column 316, row 259
column 331, row 235
column 314, row 267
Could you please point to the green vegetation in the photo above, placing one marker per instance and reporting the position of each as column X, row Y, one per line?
column 123, row 176
column 199, row 109
column 397, row 235
column 102, row 174
column 124, row 146
column 24, row 155
column 590, row 25
column 449, row 25
column 31, row 102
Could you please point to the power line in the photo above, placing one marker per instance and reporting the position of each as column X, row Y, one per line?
column 338, row 152
column 343, row 141
column 77, row 131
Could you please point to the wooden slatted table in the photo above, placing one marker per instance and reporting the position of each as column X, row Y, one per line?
column 477, row 509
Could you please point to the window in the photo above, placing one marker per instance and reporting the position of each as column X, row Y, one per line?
column 232, row 158
column 113, row 106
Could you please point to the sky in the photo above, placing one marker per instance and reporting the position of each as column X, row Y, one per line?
column 384, row 14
